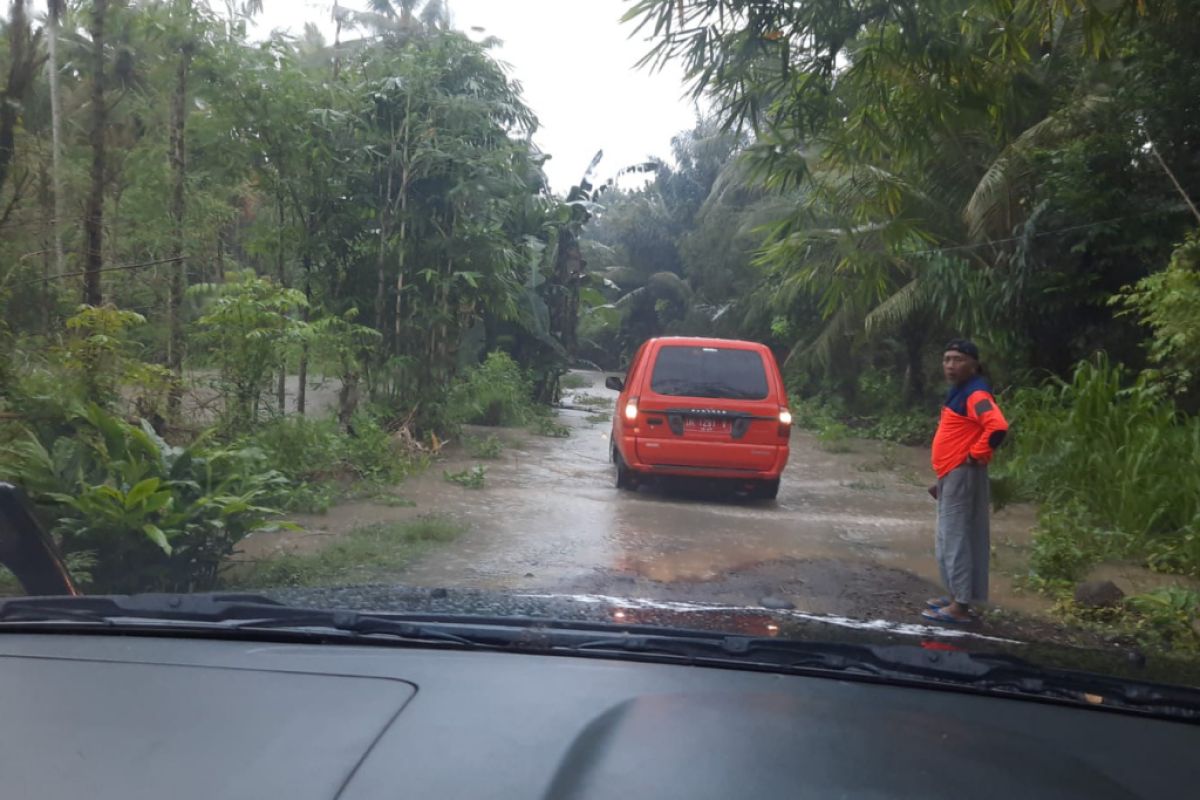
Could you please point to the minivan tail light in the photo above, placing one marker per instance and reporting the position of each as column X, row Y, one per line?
column 785, row 423
column 631, row 409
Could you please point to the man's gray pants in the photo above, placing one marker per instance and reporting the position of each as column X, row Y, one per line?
column 963, row 535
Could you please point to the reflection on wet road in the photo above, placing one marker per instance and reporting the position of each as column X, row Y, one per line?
column 851, row 533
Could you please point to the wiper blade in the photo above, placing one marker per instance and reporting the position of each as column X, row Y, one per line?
column 1008, row 674
column 350, row 622
column 227, row 612
column 988, row 673
column 14, row 613
column 108, row 609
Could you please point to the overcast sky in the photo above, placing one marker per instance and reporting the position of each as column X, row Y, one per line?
column 575, row 62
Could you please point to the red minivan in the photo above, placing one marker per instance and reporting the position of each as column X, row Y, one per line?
column 713, row 408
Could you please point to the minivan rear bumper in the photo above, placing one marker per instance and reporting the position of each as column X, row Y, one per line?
column 629, row 452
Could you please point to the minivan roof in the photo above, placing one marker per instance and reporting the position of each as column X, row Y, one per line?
column 709, row 341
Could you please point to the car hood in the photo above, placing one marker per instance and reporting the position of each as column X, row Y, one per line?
column 1039, row 644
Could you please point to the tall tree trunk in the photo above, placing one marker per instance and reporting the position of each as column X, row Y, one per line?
column 220, row 260
column 302, row 370
column 405, row 176
column 385, row 206
column 46, row 200
column 914, row 346
column 55, row 9
column 564, row 304
column 178, row 269
column 94, row 223
column 337, row 40
column 281, row 274
column 23, row 61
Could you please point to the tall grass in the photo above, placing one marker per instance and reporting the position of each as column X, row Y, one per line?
column 1116, row 466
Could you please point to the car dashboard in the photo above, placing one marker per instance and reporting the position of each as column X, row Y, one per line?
column 136, row 716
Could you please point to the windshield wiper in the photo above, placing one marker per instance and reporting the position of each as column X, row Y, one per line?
column 231, row 612
column 953, row 668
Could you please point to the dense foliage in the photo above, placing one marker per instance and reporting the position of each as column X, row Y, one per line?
column 233, row 211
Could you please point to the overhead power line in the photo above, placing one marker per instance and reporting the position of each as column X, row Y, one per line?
column 121, row 268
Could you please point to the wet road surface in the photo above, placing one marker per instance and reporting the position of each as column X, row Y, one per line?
column 850, row 534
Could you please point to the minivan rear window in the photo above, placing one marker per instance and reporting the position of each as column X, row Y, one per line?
column 714, row 372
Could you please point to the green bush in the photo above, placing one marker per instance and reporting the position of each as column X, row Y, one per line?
column 573, row 380
column 546, row 424
column 95, row 362
column 1116, row 456
column 371, row 452
column 879, row 392
column 913, row 428
column 1171, row 613
column 833, row 437
column 315, row 450
column 150, row 516
column 247, row 327
column 812, row 413
column 1168, row 302
column 470, row 478
column 308, row 498
column 484, row 447
column 497, row 392
column 1065, row 546
column 304, row 449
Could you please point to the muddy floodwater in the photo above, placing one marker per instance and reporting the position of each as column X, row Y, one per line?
column 850, row 534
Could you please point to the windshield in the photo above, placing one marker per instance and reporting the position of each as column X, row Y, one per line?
column 341, row 304
column 714, row 372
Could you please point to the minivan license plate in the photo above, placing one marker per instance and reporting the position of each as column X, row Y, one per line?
column 706, row 424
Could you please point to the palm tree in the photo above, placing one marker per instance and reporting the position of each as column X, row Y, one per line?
column 94, row 221
column 23, row 63
column 400, row 18
column 54, row 12
column 182, row 20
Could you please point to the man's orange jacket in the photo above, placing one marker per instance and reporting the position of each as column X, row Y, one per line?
column 971, row 425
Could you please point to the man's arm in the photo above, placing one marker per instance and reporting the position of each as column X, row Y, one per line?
column 982, row 408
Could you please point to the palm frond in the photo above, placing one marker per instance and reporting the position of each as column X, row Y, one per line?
column 382, row 7
column 435, row 14
column 844, row 323
column 995, row 196
column 907, row 301
column 735, row 176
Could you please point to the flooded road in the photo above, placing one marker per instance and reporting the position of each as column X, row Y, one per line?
column 850, row 534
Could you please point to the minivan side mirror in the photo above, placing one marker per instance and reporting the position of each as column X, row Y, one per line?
column 614, row 383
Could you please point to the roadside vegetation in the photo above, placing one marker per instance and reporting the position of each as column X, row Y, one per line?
column 365, row 555
column 371, row 213
column 468, row 478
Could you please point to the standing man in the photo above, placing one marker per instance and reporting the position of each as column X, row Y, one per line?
column 969, row 431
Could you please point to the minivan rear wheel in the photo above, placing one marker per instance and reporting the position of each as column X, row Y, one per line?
column 625, row 478
column 767, row 490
